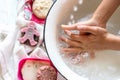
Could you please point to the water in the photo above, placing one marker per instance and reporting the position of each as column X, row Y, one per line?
column 105, row 65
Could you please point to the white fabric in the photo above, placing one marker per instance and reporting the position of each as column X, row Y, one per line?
column 11, row 51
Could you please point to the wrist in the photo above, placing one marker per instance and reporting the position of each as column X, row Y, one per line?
column 98, row 21
column 112, row 42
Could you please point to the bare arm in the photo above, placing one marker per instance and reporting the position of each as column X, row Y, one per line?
column 105, row 11
column 113, row 42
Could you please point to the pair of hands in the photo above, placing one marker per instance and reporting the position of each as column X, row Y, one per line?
column 98, row 38
column 92, row 37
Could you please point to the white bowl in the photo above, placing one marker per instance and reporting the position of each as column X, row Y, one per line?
column 62, row 12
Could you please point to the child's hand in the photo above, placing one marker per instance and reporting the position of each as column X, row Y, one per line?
column 97, row 39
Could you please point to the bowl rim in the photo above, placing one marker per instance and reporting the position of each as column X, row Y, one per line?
column 54, row 3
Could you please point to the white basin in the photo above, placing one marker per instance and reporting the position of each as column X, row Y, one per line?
column 63, row 12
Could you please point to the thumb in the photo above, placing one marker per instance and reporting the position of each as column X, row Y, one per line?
column 88, row 29
column 69, row 27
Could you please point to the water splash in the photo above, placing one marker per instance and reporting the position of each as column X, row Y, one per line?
column 75, row 8
column 71, row 17
column 80, row 2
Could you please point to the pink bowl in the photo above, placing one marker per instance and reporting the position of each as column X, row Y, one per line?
column 33, row 17
column 21, row 63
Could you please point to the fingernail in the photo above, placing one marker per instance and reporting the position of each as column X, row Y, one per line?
column 63, row 25
column 68, row 32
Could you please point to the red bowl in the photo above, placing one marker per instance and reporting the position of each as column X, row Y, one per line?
column 21, row 63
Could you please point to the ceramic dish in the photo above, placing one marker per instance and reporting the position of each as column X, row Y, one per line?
column 69, row 12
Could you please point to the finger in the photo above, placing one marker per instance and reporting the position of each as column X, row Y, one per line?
column 68, row 32
column 75, row 37
column 69, row 27
column 78, row 37
column 71, row 42
column 71, row 50
column 88, row 29
column 75, row 26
